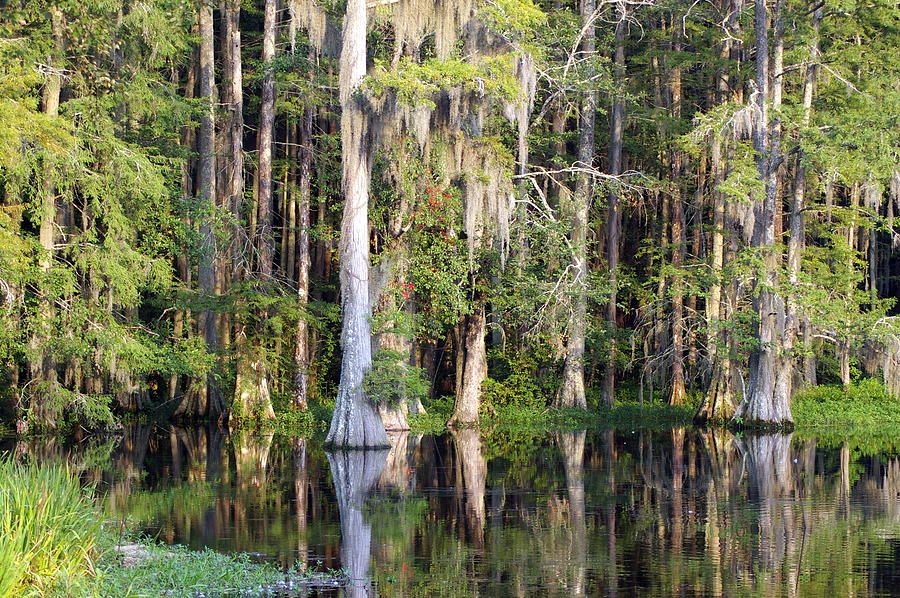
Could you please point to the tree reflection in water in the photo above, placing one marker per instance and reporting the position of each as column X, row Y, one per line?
column 495, row 513
column 355, row 474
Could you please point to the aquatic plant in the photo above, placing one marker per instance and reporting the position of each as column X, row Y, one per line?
column 48, row 529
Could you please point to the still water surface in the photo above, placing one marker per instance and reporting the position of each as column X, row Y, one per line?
column 619, row 514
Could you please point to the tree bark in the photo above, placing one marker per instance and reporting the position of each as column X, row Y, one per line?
column 767, row 403
column 43, row 367
column 571, row 392
column 472, row 361
column 300, row 395
column 798, row 324
column 206, row 400
column 266, row 233
column 355, row 422
column 718, row 402
column 614, row 215
column 677, row 394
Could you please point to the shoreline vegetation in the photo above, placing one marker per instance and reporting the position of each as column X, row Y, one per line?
column 218, row 211
column 57, row 542
column 866, row 406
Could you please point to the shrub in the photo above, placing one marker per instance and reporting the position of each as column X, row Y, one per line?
column 517, row 385
column 392, row 380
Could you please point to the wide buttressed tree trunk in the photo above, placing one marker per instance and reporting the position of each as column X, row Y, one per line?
column 355, row 422
column 571, row 392
column 471, row 367
column 767, row 403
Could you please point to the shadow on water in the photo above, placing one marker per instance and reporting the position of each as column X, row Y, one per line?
column 682, row 512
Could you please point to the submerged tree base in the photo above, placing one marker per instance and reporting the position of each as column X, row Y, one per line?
column 759, row 425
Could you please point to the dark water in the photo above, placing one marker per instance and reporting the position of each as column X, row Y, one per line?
column 674, row 513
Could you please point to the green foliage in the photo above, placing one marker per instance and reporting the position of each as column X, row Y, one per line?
column 515, row 19
column 296, row 422
column 50, row 406
column 439, row 267
column 48, row 530
column 416, row 83
column 178, row 571
column 110, row 163
column 437, row 412
column 517, row 387
column 392, row 380
column 866, row 403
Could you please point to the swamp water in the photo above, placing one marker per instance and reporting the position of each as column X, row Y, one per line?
column 684, row 512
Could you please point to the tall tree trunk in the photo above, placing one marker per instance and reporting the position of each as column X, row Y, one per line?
column 264, row 146
column 252, row 386
column 796, row 240
column 182, row 318
column 43, row 366
column 232, row 181
column 677, row 394
column 614, row 214
column 767, row 403
column 289, row 224
column 718, row 401
column 571, row 392
column 300, row 395
column 355, row 421
column 206, row 400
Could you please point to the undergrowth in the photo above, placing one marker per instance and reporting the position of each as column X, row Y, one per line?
column 864, row 414
column 624, row 415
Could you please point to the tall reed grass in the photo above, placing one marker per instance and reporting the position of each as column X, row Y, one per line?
column 48, row 530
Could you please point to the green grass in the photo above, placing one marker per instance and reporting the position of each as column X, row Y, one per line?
column 48, row 530
column 179, row 572
column 622, row 416
column 864, row 410
column 864, row 403
column 864, row 415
